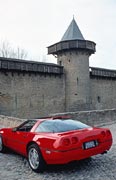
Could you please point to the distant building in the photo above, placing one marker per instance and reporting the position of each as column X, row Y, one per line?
column 32, row 89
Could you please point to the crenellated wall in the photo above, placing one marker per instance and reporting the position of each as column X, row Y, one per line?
column 103, row 88
column 29, row 93
column 31, row 89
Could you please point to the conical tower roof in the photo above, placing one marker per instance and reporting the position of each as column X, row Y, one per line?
column 73, row 32
column 72, row 40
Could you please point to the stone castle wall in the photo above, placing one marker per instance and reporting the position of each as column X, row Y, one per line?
column 30, row 95
column 26, row 93
column 103, row 93
column 32, row 89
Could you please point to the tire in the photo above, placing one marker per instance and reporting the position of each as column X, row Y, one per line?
column 35, row 158
column 2, row 147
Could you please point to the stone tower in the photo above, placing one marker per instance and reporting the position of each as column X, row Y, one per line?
column 73, row 53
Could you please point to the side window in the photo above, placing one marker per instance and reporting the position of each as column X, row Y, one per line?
column 27, row 126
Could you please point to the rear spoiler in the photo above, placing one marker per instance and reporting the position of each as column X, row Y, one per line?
column 55, row 117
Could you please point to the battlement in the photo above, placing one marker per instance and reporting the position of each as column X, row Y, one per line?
column 102, row 73
column 72, row 44
column 10, row 64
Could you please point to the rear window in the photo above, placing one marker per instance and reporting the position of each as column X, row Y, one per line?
column 59, row 125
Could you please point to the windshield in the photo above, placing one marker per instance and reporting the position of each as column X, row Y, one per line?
column 60, row 125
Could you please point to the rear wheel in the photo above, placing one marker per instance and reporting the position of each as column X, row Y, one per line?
column 35, row 158
column 2, row 147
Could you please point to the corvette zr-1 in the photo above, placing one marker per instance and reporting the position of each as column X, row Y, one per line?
column 56, row 140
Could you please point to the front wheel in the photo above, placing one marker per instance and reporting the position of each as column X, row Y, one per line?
column 2, row 147
column 35, row 158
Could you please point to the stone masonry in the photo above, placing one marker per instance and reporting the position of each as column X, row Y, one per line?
column 30, row 89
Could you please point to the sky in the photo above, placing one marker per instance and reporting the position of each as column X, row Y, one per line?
column 34, row 25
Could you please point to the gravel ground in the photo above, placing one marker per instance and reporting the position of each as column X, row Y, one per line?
column 100, row 167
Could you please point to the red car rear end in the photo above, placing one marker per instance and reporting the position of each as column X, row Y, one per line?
column 77, row 145
column 55, row 141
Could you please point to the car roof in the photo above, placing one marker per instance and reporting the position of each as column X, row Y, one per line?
column 38, row 120
column 49, row 118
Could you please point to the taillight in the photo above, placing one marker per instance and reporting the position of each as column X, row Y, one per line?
column 103, row 134
column 74, row 140
column 108, row 133
column 66, row 142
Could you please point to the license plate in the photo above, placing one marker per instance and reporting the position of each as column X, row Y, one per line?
column 90, row 144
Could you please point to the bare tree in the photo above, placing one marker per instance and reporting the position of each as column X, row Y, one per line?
column 6, row 50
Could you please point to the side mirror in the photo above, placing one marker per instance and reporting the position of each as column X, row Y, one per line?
column 14, row 129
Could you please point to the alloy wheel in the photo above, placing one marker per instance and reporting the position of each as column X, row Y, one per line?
column 33, row 158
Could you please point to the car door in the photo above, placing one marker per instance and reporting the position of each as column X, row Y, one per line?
column 18, row 138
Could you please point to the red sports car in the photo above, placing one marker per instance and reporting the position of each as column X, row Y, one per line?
column 55, row 141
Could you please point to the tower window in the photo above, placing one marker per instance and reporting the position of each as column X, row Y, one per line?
column 60, row 63
column 77, row 80
column 98, row 99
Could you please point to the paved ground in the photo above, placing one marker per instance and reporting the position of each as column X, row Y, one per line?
column 100, row 167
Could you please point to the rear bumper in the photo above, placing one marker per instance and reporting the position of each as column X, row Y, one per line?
column 63, row 157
